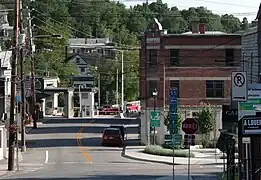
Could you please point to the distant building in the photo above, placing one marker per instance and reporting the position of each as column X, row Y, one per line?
column 5, row 29
column 86, row 52
column 5, row 81
column 250, row 55
column 198, row 63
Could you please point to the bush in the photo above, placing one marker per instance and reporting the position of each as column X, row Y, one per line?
column 160, row 151
column 165, row 146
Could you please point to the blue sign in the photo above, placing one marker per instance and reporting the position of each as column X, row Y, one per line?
column 18, row 99
column 173, row 110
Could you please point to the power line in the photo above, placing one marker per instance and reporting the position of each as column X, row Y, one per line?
column 229, row 4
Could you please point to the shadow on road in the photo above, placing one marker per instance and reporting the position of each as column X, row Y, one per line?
column 96, row 121
column 85, row 142
column 98, row 177
column 75, row 129
column 43, row 143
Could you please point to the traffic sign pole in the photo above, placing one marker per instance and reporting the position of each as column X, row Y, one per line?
column 173, row 103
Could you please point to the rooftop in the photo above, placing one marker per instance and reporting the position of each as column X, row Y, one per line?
column 207, row 33
column 81, row 41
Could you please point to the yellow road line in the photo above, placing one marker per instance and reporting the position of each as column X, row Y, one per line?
column 83, row 150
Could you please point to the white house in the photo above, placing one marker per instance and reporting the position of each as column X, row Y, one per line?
column 5, row 29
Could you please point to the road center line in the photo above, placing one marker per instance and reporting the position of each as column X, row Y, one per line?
column 83, row 150
column 46, row 157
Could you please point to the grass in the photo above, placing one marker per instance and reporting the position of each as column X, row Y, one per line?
column 160, row 151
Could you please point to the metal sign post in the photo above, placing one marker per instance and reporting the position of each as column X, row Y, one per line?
column 239, row 93
column 189, row 140
column 173, row 110
column 189, row 158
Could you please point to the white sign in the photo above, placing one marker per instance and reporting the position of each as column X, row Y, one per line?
column 246, row 140
column 239, row 86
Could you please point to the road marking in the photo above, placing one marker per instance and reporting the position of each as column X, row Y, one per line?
column 83, row 150
column 46, row 157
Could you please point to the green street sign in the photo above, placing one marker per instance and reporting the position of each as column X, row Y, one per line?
column 155, row 119
column 173, row 139
column 249, row 105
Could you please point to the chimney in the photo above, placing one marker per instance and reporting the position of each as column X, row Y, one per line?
column 194, row 27
column 202, row 28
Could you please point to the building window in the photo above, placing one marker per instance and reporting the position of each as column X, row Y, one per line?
column 152, row 86
column 229, row 57
column 174, row 57
column 215, row 89
column 78, row 50
column 78, row 60
column 82, row 69
column 152, row 57
column 175, row 84
column 73, row 50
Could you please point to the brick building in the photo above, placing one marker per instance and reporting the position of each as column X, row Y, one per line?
column 198, row 63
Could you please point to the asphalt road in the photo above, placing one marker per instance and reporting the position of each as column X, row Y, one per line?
column 72, row 150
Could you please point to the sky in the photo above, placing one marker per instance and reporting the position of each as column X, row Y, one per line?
column 240, row 9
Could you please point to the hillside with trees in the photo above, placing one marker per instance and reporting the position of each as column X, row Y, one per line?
column 104, row 18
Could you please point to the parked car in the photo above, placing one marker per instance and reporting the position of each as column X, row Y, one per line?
column 112, row 136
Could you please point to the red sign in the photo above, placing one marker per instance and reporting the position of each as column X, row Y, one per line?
column 190, row 126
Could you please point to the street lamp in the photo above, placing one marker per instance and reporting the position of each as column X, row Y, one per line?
column 154, row 94
column 57, row 36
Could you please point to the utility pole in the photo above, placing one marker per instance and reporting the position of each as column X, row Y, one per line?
column 21, row 44
column 33, row 98
column 12, row 126
column 117, row 87
column 99, row 92
column 122, row 82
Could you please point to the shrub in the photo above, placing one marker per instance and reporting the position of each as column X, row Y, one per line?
column 160, row 151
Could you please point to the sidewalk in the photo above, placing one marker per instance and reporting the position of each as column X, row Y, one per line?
column 4, row 163
column 137, row 154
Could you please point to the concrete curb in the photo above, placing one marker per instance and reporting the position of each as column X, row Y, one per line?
column 123, row 154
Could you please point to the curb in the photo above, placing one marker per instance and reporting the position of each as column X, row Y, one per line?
column 123, row 154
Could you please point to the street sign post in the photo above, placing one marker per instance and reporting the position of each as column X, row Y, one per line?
column 173, row 117
column 239, row 86
column 190, row 126
column 155, row 119
column 173, row 110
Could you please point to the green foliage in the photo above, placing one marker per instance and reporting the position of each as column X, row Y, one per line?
column 205, row 120
column 104, row 18
column 167, row 121
column 160, row 151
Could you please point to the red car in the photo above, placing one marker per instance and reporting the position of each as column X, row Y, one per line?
column 112, row 136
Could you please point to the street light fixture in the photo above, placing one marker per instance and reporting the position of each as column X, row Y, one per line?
column 57, row 36
column 154, row 94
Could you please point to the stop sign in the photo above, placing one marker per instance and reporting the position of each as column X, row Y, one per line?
column 190, row 126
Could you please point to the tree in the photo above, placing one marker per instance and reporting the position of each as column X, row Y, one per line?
column 51, row 51
column 206, row 123
column 167, row 121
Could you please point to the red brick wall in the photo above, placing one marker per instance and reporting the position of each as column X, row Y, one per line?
column 200, row 63
column 201, row 40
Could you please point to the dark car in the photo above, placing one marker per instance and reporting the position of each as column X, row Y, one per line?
column 122, row 130
column 112, row 136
